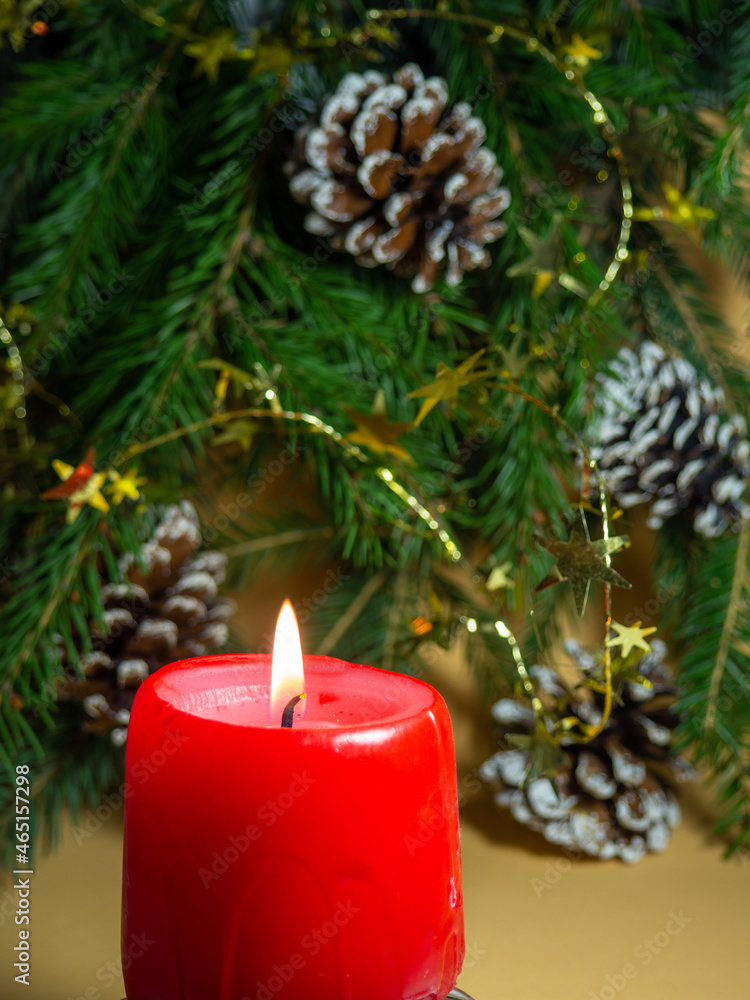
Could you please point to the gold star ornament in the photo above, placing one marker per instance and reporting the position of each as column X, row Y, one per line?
column 630, row 637
column 446, row 386
column 213, row 51
column 376, row 433
column 241, row 432
column 514, row 363
column 580, row 560
column 499, row 577
column 80, row 485
column 543, row 261
column 680, row 210
column 579, row 52
column 125, row 486
column 546, row 261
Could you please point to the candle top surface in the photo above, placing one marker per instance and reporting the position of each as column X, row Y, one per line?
column 340, row 695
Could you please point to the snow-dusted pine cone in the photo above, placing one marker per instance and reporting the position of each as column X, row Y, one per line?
column 170, row 612
column 396, row 176
column 664, row 435
column 606, row 801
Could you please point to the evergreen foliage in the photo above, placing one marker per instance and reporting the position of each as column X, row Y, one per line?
column 150, row 252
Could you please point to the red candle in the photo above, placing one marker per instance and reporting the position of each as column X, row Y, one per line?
column 317, row 862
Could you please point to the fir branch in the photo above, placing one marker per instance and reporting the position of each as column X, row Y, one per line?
column 179, row 30
column 400, row 595
column 736, row 137
column 225, row 270
column 737, row 604
column 282, row 538
column 43, row 594
column 699, row 333
column 75, row 251
column 59, row 594
column 352, row 613
column 254, row 412
column 706, row 656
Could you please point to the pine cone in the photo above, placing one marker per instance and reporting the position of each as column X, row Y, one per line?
column 170, row 612
column 396, row 177
column 605, row 798
column 664, row 435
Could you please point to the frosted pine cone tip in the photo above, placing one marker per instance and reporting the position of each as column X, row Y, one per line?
column 664, row 435
column 396, row 176
column 167, row 608
column 606, row 798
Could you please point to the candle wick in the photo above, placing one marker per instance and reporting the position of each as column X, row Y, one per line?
column 287, row 716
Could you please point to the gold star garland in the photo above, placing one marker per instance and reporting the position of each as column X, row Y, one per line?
column 375, row 432
column 127, row 485
column 602, row 566
column 447, row 385
column 566, row 726
column 574, row 75
column 18, row 385
column 579, row 560
column 514, row 363
column 433, row 523
column 499, row 577
column 515, row 649
column 680, row 210
column 351, row 448
column 630, row 637
column 430, row 520
column 545, row 261
column 575, row 57
column 580, row 52
column 275, row 411
column 149, row 14
column 211, row 52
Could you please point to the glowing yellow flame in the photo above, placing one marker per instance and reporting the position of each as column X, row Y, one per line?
column 287, row 672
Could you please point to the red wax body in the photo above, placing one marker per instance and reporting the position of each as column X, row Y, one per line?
column 314, row 863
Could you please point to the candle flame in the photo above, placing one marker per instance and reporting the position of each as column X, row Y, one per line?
column 287, row 672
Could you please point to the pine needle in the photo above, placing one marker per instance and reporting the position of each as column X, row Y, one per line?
column 355, row 609
column 737, row 604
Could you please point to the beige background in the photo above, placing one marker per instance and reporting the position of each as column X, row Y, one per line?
column 538, row 926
